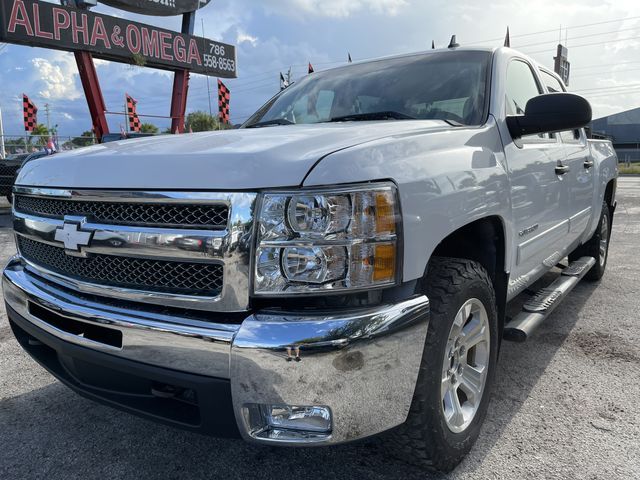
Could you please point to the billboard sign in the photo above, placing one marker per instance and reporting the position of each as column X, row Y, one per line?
column 157, row 7
column 43, row 24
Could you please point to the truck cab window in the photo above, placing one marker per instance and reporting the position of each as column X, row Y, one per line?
column 554, row 85
column 521, row 87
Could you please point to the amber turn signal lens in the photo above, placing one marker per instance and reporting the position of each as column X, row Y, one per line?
column 384, row 262
column 385, row 214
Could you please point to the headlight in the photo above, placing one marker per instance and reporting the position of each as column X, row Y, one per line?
column 314, row 241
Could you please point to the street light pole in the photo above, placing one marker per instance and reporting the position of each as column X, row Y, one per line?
column 2, row 151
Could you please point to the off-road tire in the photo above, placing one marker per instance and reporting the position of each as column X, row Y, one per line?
column 425, row 439
column 592, row 247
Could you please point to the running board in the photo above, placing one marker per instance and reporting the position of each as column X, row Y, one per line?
column 540, row 306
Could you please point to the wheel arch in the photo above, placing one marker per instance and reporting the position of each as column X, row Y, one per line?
column 484, row 241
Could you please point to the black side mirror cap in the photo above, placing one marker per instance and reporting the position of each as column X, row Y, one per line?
column 551, row 112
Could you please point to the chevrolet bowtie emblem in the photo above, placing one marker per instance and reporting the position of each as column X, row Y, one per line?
column 73, row 236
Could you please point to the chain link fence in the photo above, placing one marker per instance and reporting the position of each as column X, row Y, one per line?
column 33, row 143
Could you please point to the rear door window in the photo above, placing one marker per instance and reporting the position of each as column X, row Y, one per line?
column 554, row 85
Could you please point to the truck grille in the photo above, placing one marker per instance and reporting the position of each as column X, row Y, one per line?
column 200, row 279
column 147, row 214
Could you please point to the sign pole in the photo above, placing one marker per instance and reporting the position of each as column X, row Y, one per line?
column 91, row 87
column 181, row 82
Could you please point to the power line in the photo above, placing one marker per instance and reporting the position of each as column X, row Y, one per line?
column 630, row 91
column 588, row 44
column 604, row 71
column 582, row 67
column 579, row 37
column 573, row 27
column 612, row 87
column 555, row 30
column 586, row 25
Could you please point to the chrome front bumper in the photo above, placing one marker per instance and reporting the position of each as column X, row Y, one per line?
column 362, row 364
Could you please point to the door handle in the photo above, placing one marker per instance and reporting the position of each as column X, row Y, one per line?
column 561, row 169
column 588, row 163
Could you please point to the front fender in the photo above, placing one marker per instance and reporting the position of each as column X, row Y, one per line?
column 446, row 179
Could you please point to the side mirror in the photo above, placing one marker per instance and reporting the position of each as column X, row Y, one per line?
column 551, row 112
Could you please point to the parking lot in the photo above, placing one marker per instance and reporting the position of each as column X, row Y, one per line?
column 566, row 404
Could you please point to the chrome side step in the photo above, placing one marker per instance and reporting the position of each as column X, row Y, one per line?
column 540, row 306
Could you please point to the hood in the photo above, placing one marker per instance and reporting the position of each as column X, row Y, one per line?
column 243, row 159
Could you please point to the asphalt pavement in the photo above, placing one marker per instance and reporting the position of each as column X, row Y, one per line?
column 566, row 404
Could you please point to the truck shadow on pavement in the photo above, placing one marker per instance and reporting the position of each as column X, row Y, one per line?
column 520, row 367
column 55, row 433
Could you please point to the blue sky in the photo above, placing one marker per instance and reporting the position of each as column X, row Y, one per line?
column 273, row 35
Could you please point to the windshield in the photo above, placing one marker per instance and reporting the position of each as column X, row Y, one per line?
column 441, row 85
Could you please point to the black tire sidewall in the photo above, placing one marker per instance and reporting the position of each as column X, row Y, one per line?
column 434, row 355
column 592, row 247
column 604, row 217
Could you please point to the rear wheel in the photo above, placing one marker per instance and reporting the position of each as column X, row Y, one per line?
column 597, row 246
column 458, row 366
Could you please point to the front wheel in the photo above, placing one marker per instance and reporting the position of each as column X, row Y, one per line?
column 458, row 366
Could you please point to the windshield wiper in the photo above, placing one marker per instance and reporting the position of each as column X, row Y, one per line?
column 266, row 123
column 356, row 117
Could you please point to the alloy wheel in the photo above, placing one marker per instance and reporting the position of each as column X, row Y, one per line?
column 465, row 365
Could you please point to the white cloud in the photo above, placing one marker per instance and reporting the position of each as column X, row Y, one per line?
column 57, row 78
column 333, row 8
column 323, row 31
column 245, row 37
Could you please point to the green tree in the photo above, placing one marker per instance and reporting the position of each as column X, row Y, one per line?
column 201, row 122
column 40, row 134
column 149, row 128
column 84, row 140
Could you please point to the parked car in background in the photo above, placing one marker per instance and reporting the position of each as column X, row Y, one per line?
column 9, row 168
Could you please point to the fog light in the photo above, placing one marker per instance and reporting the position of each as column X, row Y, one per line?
column 310, row 419
column 288, row 423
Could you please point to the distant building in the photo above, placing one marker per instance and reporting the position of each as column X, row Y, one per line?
column 624, row 130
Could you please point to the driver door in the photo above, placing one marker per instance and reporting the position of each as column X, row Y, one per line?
column 539, row 194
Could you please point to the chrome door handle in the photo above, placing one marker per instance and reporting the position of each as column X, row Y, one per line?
column 588, row 163
column 562, row 169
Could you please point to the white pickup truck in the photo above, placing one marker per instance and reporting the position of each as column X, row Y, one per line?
column 338, row 267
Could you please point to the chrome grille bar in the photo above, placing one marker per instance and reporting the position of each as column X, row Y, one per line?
column 227, row 248
column 175, row 215
column 137, row 273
